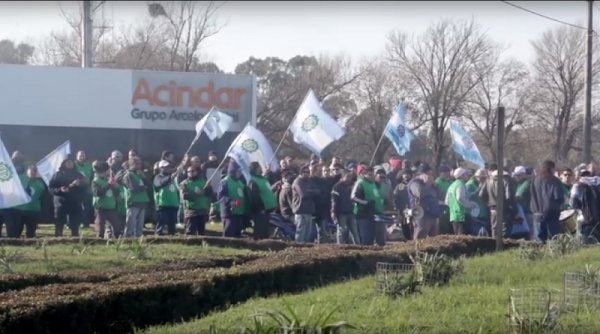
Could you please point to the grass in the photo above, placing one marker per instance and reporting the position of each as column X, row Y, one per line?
column 47, row 230
column 82, row 257
column 474, row 302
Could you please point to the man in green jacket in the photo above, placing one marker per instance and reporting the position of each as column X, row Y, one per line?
column 196, row 194
column 105, row 191
column 27, row 215
column 458, row 201
column 523, row 196
column 442, row 183
column 85, row 169
column 262, row 201
column 479, row 224
column 136, row 198
column 166, row 197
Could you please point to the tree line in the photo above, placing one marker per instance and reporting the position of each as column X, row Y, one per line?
column 451, row 71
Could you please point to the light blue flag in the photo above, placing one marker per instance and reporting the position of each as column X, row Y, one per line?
column 464, row 145
column 251, row 145
column 397, row 132
column 11, row 188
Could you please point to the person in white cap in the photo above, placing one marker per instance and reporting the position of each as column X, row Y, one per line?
column 489, row 195
column 458, row 201
column 523, row 196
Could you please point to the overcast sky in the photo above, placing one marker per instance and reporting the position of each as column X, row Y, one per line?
column 285, row 29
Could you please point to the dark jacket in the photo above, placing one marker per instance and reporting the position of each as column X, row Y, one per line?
column 400, row 196
column 489, row 194
column 223, row 194
column 341, row 198
column 285, row 201
column 254, row 198
column 304, row 196
column 547, row 197
column 72, row 199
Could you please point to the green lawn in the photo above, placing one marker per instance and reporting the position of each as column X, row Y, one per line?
column 475, row 302
column 47, row 230
column 80, row 256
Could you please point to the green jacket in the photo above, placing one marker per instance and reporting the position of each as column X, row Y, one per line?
column 35, row 187
column 166, row 194
column 473, row 192
column 135, row 192
column 193, row 201
column 86, row 170
column 104, row 196
column 442, row 187
column 370, row 192
column 458, row 213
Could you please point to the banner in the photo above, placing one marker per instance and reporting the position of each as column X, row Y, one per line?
column 250, row 146
column 464, row 145
column 50, row 164
column 214, row 124
column 11, row 189
column 313, row 127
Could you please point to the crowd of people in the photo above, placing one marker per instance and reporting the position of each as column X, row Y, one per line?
column 117, row 196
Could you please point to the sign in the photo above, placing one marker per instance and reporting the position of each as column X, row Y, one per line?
column 125, row 99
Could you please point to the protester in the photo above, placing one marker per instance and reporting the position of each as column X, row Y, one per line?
column 480, row 223
column 489, row 194
column 342, row 211
column 137, row 199
column 442, row 183
column 401, row 201
column 547, row 198
column 262, row 201
column 114, row 161
column 423, row 196
column 27, row 215
column 85, row 168
column 105, row 191
column 196, row 194
column 458, row 201
column 233, row 201
column 68, row 187
column 368, row 202
column 566, row 178
column 166, row 197
column 304, row 198
column 523, row 196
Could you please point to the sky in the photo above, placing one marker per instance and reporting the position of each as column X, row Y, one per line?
column 285, row 29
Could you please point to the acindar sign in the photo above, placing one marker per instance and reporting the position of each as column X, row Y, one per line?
column 103, row 98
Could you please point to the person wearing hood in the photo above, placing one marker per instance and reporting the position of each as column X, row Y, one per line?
column 68, row 187
column 114, row 161
column 27, row 215
column 105, row 191
column 395, row 169
column 285, row 197
column 422, row 194
column 342, row 211
column 547, row 198
column 401, row 200
column 368, row 202
column 196, row 194
column 304, row 201
column 166, row 197
column 85, row 168
column 262, row 201
column 233, row 200
column 458, row 201
column 137, row 199
column 489, row 194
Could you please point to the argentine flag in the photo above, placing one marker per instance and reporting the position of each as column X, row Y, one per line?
column 50, row 164
column 214, row 124
column 397, row 132
column 11, row 189
column 464, row 145
column 313, row 127
column 250, row 146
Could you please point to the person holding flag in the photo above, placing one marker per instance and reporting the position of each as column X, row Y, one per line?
column 233, row 200
column 196, row 194
column 262, row 201
column 27, row 215
column 11, row 189
column 68, row 187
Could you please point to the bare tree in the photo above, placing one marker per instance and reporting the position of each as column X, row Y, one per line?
column 439, row 67
column 557, row 96
column 190, row 25
column 497, row 83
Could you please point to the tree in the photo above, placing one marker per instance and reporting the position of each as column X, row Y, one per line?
column 439, row 68
column 556, row 98
column 11, row 54
column 190, row 24
column 497, row 83
column 282, row 85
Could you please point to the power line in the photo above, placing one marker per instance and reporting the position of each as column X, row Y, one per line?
column 542, row 15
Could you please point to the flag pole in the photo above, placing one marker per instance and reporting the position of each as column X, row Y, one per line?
column 377, row 147
column 223, row 160
column 198, row 133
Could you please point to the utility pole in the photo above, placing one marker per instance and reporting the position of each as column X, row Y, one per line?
column 86, row 35
column 500, row 184
column 587, row 120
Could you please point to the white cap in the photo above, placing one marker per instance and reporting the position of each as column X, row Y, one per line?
column 519, row 170
column 163, row 164
column 460, row 172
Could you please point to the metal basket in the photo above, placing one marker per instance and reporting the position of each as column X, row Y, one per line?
column 388, row 271
column 533, row 309
column 579, row 292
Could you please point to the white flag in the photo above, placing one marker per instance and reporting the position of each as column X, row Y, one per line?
column 11, row 189
column 214, row 124
column 313, row 127
column 250, row 146
column 50, row 164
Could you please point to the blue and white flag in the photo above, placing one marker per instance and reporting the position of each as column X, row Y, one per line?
column 250, row 146
column 464, row 145
column 313, row 127
column 11, row 188
column 50, row 164
column 214, row 124
column 397, row 132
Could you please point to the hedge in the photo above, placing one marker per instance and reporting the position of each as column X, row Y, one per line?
column 140, row 300
column 239, row 243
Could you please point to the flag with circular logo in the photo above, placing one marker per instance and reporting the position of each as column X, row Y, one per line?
column 313, row 127
column 12, row 192
column 251, row 145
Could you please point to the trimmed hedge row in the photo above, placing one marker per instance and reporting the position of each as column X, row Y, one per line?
column 238, row 243
column 140, row 300
column 21, row 281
